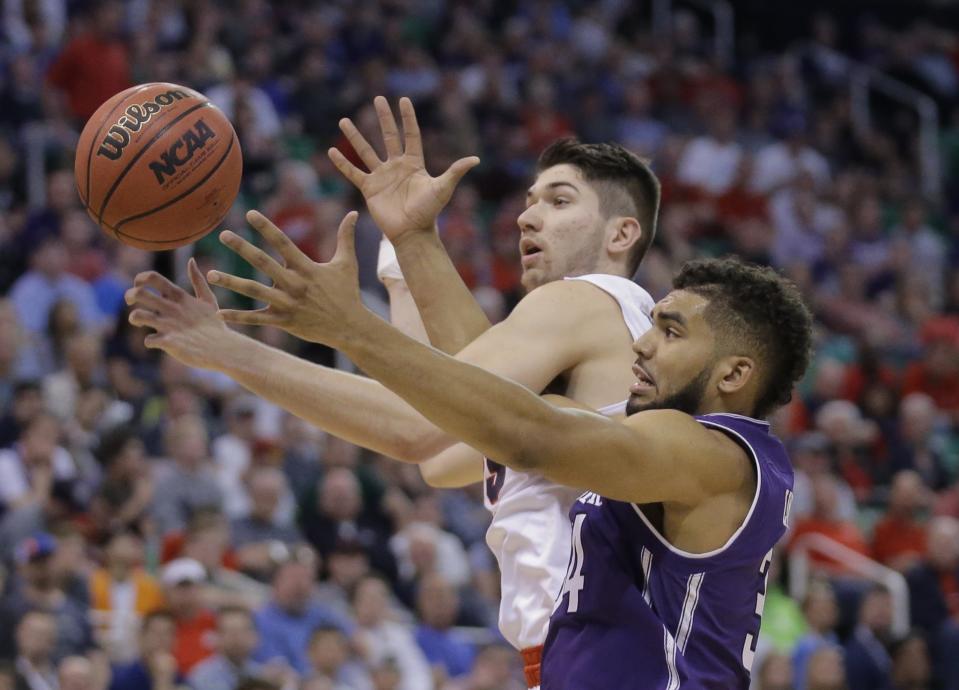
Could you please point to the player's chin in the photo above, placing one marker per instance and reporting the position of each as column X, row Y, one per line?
column 640, row 402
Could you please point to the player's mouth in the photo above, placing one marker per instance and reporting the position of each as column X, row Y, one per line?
column 644, row 382
column 529, row 251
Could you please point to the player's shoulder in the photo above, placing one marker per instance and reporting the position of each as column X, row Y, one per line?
column 566, row 300
column 573, row 298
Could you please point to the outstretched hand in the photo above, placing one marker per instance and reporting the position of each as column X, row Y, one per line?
column 401, row 195
column 187, row 327
column 315, row 302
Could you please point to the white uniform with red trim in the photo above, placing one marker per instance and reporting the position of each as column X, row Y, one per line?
column 530, row 531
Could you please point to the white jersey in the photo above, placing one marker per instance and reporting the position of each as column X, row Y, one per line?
column 530, row 531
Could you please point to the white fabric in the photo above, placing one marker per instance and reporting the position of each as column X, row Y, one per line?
column 709, row 164
column 530, row 530
column 387, row 265
column 15, row 480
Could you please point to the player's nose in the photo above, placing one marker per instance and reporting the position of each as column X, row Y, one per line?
column 529, row 220
column 644, row 345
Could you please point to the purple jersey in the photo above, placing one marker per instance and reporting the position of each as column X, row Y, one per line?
column 636, row 612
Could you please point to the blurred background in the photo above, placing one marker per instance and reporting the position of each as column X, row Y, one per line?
column 160, row 528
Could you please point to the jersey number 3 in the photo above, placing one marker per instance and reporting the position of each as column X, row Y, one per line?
column 575, row 581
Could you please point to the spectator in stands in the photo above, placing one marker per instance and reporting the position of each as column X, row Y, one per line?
column 437, row 604
column 826, row 522
column 331, row 657
column 338, row 514
column 911, row 667
column 347, row 564
column 35, row 467
column 934, row 596
column 852, row 439
column 207, row 540
column 27, row 403
column 195, row 624
column 232, row 453
column 156, row 667
column 918, row 443
column 774, row 672
column 95, row 64
column 36, row 636
column 811, row 458
column 37, row 588
column 822, row 616
column 84, row 672
column 382, row 639
column 236, row 639
column 47, row 281
column 867, row 662
column 122, row 593
column 937, row 373
column 492, row 670
column 125, row 495
column 710, row 163
column 189, row 484
column 83, row 369
column 825, row 670
column 286, row 622
column 256, row 536
column 780, row 163
column 899, row 538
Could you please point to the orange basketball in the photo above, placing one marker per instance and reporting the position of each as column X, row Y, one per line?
column 158, row 166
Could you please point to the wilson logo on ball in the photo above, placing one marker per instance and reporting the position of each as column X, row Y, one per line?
column 118, row 136
column 182, row 150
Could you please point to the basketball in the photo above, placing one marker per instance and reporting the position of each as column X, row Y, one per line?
column 158, row 166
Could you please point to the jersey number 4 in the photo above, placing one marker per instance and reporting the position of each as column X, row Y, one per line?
column 575, row 581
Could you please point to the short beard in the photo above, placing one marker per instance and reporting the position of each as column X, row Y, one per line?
column 688, row 399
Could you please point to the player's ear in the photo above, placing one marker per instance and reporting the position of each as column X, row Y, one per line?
column 626, row 232
column 735, row 373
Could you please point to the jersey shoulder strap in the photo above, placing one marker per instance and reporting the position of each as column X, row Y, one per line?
column 633, row 301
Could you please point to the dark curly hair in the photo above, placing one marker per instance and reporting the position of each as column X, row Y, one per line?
column 625, row 183
column 754, row 307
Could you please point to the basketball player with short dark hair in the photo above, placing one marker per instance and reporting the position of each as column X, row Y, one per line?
column 590, row 216
column 685, row 498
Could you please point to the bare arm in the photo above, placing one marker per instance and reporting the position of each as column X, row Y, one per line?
column 656, row 456
column 405, row 201
column 451, row 315
column 454, row 468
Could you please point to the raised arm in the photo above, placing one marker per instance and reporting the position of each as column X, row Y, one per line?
column 657, row 456
column 530, row 346
column 405, row 201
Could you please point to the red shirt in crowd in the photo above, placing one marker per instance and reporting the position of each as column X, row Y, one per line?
column 195, row 640
column 895, row 538
column 90, row 70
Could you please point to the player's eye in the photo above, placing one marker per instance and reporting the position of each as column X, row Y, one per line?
column 671, row 333
column 560, row 201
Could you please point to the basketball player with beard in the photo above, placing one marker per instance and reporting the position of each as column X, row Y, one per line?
column 590, row 217
column 685, row 498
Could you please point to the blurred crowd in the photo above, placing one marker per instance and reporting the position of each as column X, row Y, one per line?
column 161, row 529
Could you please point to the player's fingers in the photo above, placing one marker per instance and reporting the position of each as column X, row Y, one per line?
column 161, row 284
column 360, row 144
column 346, row 238
column 200, row 287
column 146, row 318
column 278, row 240
column 254, row 256
column 251, row 289
column 347, row 169
column 147, row 299
column 411, row 128
column 154, row 341
column 455, row 172
column 391, row 133
column 258, row 317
